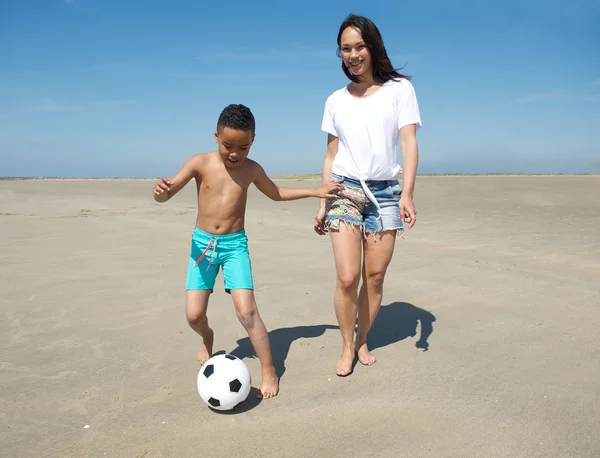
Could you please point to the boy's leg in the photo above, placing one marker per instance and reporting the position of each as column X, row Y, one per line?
column 237, row 276
column 196, row 304
column 202, row 272
column 247, row 312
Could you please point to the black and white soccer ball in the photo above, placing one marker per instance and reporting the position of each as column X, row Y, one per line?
column 224, row 381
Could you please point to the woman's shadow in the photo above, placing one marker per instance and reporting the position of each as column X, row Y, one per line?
column 394, row 322
column 281, row 340
column 397, row 321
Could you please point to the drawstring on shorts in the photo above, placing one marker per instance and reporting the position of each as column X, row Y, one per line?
column 371, row 197
column 206, row 249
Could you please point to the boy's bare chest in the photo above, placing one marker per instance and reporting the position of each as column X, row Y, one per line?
column 224, row 186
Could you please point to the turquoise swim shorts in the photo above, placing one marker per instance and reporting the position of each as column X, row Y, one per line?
column 211, row 252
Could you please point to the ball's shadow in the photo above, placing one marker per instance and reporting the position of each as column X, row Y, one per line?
column 281, row 340
column 245, row 406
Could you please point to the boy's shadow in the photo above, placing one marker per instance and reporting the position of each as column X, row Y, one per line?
column 396, row 322
column 281, row 340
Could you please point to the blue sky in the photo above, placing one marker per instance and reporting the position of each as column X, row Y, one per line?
column 133, row 88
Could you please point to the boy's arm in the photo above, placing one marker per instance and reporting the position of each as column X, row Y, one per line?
column 166, row 188
column 274, row 192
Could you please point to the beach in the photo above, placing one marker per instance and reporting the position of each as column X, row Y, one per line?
column 487, row 340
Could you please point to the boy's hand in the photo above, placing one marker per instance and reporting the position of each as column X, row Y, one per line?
column 330, row 189
column 163, row 185
column 319, row 225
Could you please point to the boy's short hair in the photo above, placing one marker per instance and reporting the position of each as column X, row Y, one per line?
column 237, row 117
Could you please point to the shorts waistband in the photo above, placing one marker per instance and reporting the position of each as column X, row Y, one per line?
column 208, row 235
column 213, row 240
column 365, row 186
column 359, row 182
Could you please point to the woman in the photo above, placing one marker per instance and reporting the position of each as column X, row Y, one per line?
column 364, row 121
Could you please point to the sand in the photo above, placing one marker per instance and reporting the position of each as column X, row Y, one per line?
column 488, row 341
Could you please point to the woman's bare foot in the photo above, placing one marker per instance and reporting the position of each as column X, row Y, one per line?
column 344, row 365
column 270, row 384
column 206, row 349
column 364, row 355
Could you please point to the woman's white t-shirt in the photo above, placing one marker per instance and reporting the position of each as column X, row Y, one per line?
column 368, row 129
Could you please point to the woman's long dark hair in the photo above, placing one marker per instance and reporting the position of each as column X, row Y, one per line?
column 383, row 70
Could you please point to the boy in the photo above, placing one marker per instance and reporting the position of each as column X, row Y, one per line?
column 219, row 240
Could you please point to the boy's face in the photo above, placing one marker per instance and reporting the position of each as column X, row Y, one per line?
column 234, row 145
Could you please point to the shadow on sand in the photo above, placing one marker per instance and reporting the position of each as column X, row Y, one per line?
column 281, row 340
column 396, row 322
column 245, row 406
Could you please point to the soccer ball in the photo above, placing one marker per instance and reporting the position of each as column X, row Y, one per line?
column 224, row 381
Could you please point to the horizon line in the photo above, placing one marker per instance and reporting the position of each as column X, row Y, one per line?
column 299, row 176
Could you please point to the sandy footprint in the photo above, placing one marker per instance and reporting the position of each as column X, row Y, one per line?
column 61, row 375
column 6, row 366
column 66, row 343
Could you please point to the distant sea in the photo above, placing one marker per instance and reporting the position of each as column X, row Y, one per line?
column 294, row 176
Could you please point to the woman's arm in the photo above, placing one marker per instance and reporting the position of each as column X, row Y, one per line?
column 410, row 161
column 410, row 158
column 332, row 149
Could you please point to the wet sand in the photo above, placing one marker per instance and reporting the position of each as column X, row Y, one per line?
column 487, row 342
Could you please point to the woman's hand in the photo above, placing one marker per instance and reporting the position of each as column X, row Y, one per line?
column 408, row 212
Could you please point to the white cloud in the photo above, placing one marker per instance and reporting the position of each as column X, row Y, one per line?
column 241, row 75
column 51, row 107
column 267, row 54
column 551, row 96
column 559, row 95
column 401, row 59
column 117, row 66
column 117, row 102
column 271, row 53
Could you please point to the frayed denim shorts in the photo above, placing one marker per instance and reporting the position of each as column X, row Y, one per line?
column 353, row 206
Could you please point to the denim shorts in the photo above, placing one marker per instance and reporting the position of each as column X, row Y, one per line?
column 353, row 206
column 209, row 253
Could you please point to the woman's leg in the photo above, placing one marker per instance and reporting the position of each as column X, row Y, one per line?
column 382, row 226
column 347, row 250
column 379, row 249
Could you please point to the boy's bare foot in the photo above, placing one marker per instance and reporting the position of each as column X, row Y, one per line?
column 270, row 384
column 364, row 355
column 344, row 365
column 206, row 349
